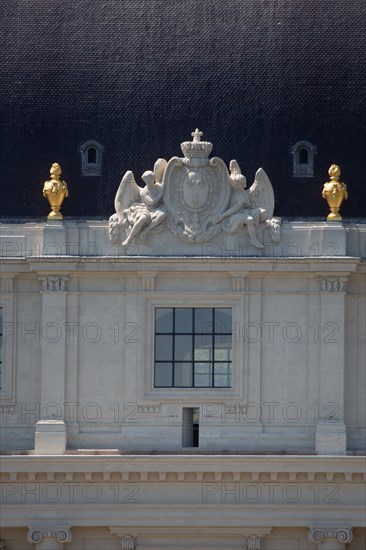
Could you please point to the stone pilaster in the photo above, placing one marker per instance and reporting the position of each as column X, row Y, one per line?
column 50, row 435
column 49, row 538
column 331, row 431
column 330, row 538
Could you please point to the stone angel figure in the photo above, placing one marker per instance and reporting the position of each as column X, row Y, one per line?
column 138, row 210
column 247, row 208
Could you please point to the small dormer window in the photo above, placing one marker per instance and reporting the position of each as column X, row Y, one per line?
column 303, row 159
column 91, row 158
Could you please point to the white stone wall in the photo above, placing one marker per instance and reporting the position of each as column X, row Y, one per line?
column 80, row 343
column 78, row 378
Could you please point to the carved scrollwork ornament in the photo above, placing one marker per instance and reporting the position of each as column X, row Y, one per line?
column 61, row 534
column 35, row 535
column 343, row 535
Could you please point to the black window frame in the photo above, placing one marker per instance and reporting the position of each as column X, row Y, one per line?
column 212, row 362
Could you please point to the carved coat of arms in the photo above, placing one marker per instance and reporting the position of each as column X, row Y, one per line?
column 195, row 197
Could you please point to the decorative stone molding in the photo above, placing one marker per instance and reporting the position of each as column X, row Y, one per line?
column 37, row 534
column 54, row 283
column 6, row 285
column 128, row 542
column 238, row 280
column 147, row 409
column 333, row 284
column 7, row 408
column 318, row 534
column 253, row 542
column 148, row 280
column 178, row 474
column 274, row 225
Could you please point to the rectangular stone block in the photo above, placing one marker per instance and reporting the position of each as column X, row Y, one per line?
column 50, row 437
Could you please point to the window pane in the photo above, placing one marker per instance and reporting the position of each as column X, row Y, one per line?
column 221, row 381
column 222, row 368
column 183, row 320
column 223, row 320
column 222, row 375
column 183, row 375
column 92, row 155
column 202, row 368
column 203, row 348
column 183, row 348
column 163, row 348
column 164, row 374
column 164, row 319
column 303, row 156
column 202, row 380
column 203, row 320
column 223, row 347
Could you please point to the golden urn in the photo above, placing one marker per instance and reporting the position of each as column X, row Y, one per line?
column 55, row 190
column 334, row 192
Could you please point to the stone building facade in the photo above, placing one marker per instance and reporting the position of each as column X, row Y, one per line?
column 196, row 388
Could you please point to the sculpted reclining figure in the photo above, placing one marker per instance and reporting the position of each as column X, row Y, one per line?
column 241, row 213
column 138, row 211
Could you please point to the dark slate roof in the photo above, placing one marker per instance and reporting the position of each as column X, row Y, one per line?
column 139, row 75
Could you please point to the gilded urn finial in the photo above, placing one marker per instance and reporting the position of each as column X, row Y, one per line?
column 334, row 192
column 55, row 191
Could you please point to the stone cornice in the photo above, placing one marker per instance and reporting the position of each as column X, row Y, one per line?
column 197, row 266
column 178, row 468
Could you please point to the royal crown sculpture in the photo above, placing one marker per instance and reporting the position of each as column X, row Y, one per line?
column 195, row 198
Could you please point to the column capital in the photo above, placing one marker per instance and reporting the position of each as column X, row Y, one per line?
column 54, row 283
column 318, row 534
column 37, row 534
column 128, row 542
column 253, row 540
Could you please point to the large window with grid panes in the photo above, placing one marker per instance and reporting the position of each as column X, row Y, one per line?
column 193, row 347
